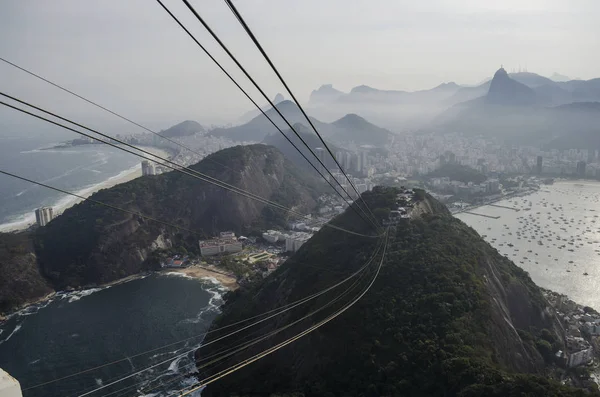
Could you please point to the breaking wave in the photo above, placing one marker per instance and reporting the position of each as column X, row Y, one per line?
column 17, row 328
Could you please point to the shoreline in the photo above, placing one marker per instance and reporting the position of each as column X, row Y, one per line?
column 196, row 272
column 508, row 197
column 67, row 202
column 200, row 272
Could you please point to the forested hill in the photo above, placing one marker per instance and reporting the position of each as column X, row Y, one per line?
column 91, row 243
column 447, row 316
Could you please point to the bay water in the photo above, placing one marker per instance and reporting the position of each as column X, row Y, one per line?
column 157, row 319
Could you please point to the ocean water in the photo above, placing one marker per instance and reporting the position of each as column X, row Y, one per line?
column 76, row 331
column 554, row 236
column 75, row 169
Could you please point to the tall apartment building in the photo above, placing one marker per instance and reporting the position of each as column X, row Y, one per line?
column 44, row 215
column 148, row 168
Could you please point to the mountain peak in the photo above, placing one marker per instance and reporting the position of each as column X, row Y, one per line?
column 278, row 98
column 325, row 93
column 363, row 89
column 506, row 91
column 500, row 73
column 559, row 78
column 185, row 128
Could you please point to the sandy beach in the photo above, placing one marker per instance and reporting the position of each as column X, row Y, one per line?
column 226, row 281
column 69, row 201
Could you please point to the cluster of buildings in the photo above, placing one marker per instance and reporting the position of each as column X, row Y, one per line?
column 202, row 145
column 404, row 205
column 446, row 185
column 419, row 153
column 293, row 240
column 226, row 243
column 151, row 168
column 582, row 163
column 176, row 261
column 582, row 328
column 356, row 163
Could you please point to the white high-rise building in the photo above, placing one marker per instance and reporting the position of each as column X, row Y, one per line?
column 348, row 162
column 320, row 152
column 358, row 163
column 148, row 168
column 44, row 215
column 364, row 162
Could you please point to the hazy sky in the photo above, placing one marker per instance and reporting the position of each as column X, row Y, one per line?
column 130, row 56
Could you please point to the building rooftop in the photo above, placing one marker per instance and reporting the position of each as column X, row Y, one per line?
column 7, row 382
column 218, row 241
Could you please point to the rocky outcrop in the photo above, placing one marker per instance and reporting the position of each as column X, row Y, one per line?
column 20, row 279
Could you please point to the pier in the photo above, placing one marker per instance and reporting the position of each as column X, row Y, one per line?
column 484, row 215
column 504, row 206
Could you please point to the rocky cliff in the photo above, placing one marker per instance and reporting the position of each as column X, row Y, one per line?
column 446, row 316
column 20, row 279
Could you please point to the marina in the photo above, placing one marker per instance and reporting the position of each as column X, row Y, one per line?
column 554, row 235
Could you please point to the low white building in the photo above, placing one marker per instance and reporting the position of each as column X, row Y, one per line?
column 220, row 246
column 9, row 386
column 273, row 236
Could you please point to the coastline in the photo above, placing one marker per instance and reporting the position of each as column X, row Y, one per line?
column 196, row 272
column 67, row 202
column 201, row 272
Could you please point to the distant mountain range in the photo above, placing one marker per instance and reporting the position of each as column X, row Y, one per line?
column 349, row 129
column 524, row 106
column 402, row 110
column 528, row 108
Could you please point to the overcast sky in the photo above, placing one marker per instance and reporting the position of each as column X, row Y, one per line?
column 130, row 56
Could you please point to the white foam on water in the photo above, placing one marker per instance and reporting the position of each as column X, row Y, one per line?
column 216, row 290
column 77, row 295
column 17, row 328
column 178, row 274
column 174, row 366
column 99, row 381
column 35, row 361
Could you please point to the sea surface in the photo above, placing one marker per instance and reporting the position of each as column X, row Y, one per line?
column 77, row 169
column 554, row 236
column 76, row 331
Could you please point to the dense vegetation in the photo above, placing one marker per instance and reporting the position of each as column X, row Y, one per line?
column 447, row 316
column 458, row 172
column 20, row 280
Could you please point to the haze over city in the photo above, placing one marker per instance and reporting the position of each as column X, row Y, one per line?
column 131, row 55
